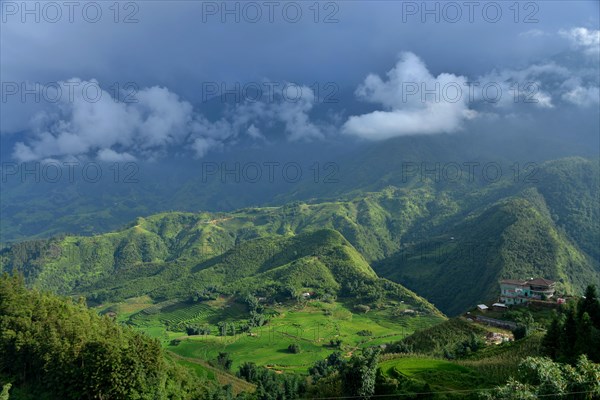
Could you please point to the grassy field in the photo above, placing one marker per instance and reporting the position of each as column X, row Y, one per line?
column 206, row 371
column 441, row 375
column 311, row 325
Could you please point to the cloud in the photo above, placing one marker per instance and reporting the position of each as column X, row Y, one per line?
column 415, row 102
column 291, row 109
column 86, row 120
column 109, row 155
column 529, row 86
column 254, row 132
column 585, row 39
column 534, row 33
column 202, row 146
column 293, row 113
column 583, row 96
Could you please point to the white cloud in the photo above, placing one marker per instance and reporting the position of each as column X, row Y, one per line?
column 202, row 146
column 255, row 133
column 585, row 39
column 583, row 96
column 78, row 125
column 110, row 155
column 294, row 115
column 523, row 87
column 410, row 107
column 91, row 121
column 291, row 109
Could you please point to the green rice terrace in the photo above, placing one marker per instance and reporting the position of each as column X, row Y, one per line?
column 317, row 327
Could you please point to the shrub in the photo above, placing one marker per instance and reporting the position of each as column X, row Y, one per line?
column 294, row 348
column 520, row 332
column 362, row 308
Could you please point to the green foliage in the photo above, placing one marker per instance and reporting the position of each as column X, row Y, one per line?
column 224, row 361
column 520, row 332
column 58, row 347
column 359, row 373
column 270, row 385
column 541, row 377
column 450, row 339
column 4, row 395
column 499, row 362
column 576, row 331
column 362, row 308
column 324, row 368
column 294, row 348
column 356, row 376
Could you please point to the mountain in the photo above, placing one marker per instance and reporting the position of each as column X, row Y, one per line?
column 86, row 197
column 175, row 256
column 447, row 241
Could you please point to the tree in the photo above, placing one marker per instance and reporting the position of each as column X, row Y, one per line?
column 222, row 328
column 551, row 341
column 540, row 377
column 591, row 305
column 520, row 332
column 513, row 390
column 4, row 394
column 568, row 337
column 224, row 361
column 58, row 348
column 584, row 334
column 362, row 308
column 294, row 348
column 323, row 368
column 360, row 373
column 192, row 330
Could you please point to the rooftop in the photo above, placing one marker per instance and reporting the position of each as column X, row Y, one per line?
column 518, row 282
column 541, row 282
column 527, row 282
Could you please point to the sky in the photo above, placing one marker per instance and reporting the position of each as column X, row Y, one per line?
column 123, row 81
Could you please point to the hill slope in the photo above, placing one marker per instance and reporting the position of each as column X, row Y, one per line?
column 448, row 242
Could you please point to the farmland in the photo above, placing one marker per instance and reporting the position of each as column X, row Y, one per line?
column 310, row 324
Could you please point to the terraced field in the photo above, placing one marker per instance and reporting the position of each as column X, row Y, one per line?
column 440, row 375
column 312, row 327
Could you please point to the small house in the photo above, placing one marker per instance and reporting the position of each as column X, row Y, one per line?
column 482, row 307
column 518, row 291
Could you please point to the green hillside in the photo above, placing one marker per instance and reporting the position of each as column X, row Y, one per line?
column 513, row 238
column 449, row 244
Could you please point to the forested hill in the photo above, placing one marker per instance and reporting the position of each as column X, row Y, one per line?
column 449, row 243
column 55, row 348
